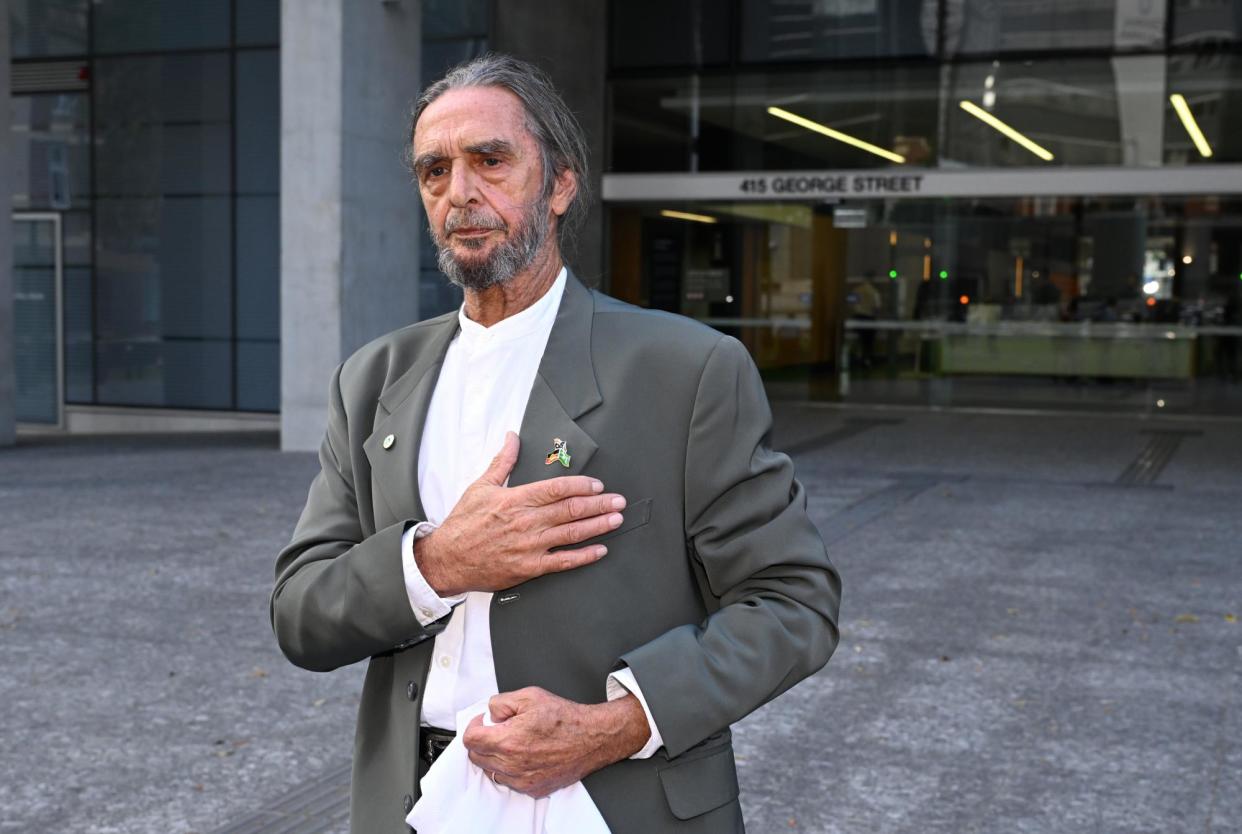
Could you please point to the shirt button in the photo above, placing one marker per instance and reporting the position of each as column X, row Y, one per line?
column 408, row 803
column 411, row 690
column 427, row 614
column 446, row 661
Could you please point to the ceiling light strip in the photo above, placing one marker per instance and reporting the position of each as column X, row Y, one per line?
column 685, row 215
column 781, row 113
column 1188, row 122
column 993, row 122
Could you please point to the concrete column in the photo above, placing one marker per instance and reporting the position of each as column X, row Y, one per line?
column 348, row 211
column 573, row 52
column 8, row 347
column 1141, row 108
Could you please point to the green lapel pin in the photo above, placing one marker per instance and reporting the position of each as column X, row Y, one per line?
column 559, row 453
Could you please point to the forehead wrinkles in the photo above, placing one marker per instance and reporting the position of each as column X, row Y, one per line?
column 453, row 142
column 473, row 116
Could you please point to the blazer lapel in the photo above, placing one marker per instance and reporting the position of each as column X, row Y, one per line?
column 402, row 413
column 565, row 388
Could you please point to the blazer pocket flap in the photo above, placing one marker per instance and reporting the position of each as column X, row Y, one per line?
column 634, row 515
column 700, row 785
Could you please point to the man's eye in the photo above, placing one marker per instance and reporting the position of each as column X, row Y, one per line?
column 435, row 170
column 491, row 162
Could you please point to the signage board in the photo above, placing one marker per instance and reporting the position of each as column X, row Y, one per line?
column 909, row 182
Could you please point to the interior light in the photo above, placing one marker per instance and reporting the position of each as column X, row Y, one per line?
column 1186, row 259
column 781, row 113
column 965, row 299
column 1151, row 287
column 944, row 274
column 1151, row 301
column 685, row 215
column 993, row 122
column 892, row 273
column 728, row 299
column 892, row 238
column 1159, row 403
column 1188, row 122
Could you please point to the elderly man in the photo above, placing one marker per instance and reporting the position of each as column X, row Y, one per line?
column 551, row 498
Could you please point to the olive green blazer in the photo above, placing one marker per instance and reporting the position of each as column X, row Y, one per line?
column 716, row 590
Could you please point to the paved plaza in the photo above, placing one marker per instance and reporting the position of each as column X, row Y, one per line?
column 1039, row 634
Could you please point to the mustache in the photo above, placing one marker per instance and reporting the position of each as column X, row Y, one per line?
column 469, row 219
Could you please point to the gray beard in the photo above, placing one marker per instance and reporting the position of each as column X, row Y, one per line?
column 507, row 259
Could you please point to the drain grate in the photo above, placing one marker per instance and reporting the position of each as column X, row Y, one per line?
column 320, row 806
column 1146, row 468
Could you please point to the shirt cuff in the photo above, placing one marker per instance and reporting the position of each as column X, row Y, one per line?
column 621, row 683
column 427, row 604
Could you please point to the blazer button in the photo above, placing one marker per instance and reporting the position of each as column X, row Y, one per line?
column 408, row 803
column 411, row 690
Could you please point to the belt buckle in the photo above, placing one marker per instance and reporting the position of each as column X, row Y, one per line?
column 434, row 743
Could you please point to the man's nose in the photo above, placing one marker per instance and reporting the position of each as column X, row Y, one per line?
column 463, row 189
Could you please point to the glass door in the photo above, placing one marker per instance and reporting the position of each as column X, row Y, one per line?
column 37, row 281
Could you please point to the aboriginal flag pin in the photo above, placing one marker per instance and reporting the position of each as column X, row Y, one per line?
column 560, row 452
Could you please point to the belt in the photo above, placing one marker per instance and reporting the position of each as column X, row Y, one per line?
column 431, row 743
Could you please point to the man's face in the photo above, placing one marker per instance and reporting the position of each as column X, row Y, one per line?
column 481, row 179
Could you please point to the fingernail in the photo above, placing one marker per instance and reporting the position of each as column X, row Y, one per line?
column 600, row 552
column 615, row 520
column 597, row 486
column 618, row 503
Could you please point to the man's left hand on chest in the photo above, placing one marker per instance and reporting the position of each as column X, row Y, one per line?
column 541, row 742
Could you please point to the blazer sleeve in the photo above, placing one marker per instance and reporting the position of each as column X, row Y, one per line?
column 765, row 566
column 340, row 595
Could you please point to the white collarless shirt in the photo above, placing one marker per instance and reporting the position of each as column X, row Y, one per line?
column 481, row 394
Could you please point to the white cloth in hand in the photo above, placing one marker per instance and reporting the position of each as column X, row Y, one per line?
column 458, row 797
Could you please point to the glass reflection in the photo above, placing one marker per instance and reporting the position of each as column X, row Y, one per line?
column 50, row 153
column 781, row 30
column 993, row 26
column 1118, row 111
column 47, row 28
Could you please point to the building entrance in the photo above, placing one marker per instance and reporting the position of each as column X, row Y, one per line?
column 1117, row 303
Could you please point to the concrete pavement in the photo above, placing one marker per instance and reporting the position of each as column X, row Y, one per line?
column 1030, row 643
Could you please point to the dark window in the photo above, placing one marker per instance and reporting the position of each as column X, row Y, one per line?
column 670, row 33
column 1203, row 23
column 992, row 26
column 160, row 25
column 257, row 23
column 47, row 28
column 804, row 30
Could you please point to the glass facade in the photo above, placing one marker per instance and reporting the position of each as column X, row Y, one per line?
column 48, row 28
column 1092, row 300
column 1088, row 110
column 164, row 164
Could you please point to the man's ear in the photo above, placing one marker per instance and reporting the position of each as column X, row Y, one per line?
column 563, row 191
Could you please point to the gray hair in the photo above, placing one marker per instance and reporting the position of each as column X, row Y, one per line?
column 562, row 144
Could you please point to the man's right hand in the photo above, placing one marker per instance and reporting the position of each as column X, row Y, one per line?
column 497, row 536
